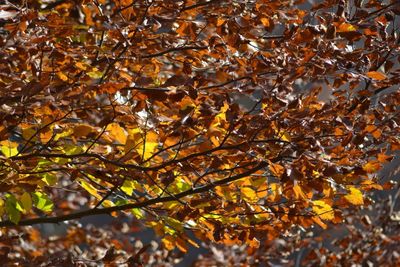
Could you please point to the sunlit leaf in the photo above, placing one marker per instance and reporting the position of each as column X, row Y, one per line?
column 42, row 201
column 49, row 179
column 117, row 132
column 376, row 75
column 62, row 76
column 354, row 196
column 129, row 185
column 346, row 27
column 323, row 210
column 249, row 194
column 8, row 148
column 372, row 166
column 276, row 169
column 89, row 188
column 168, row 242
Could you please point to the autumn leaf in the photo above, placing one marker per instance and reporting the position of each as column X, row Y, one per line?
column 276, row 169
column 265, row 22
column 82, row 130
column 249, row 194
column 354, row 196
column 169, row 242
column 233, row 122
column 376, row 75
column 372, row 166
column 89, row 188
column 62, row 76
column 26, row 202
column 323, row 210
column 346, row 27
column 8, row 148
column 117, row 132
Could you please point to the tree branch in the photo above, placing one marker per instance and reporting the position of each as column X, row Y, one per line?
column 144, row 204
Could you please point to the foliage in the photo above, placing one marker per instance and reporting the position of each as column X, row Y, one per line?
column 136, row 108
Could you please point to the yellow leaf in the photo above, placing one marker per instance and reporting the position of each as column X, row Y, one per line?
column 129, row 186
column 2, row 208
column 323, row 210
column 137, row 213
column 275, row 192
column 150, row 145
column 168, row 242
column 372, row 166
column 284, row 136
column 26, row 201
column 90, row 188
column 62, row 76
column 355, row 196
column 249, row 194
column 117, row 132
column 144, row 146
column 174, row 223
column 376, row 75
column 346, row 27
column 133, row 140
column 298, row 192
column 8, row 148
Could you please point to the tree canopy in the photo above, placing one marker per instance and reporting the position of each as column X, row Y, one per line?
column 228, row 122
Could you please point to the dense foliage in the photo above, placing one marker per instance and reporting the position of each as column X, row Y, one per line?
column 222, row 122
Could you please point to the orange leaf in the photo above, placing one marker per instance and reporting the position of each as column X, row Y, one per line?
column 169, row 242
column 319, row 222
column 265, row 22
column 346, row 27
column 82, row 130
column 372, row 166
column 117, row 132
column 276, row 169
column 384, row 158
column 376, row 75
column 62, row 76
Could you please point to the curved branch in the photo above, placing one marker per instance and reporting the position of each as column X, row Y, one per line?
column 144, row 204
column 142, row 168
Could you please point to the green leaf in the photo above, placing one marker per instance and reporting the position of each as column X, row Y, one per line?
column 174, row 223
column 42, row 201
column 8, row 148
column 72, row 150
column 95, row 74
column 182, row 185
column 13, row 213
column 49, row 179
column 137, row 213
